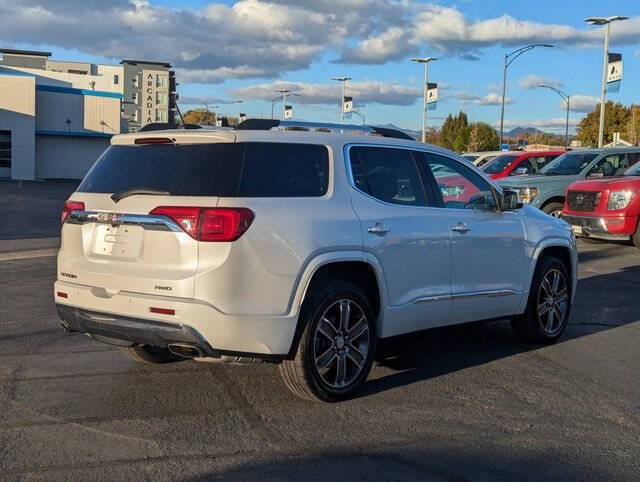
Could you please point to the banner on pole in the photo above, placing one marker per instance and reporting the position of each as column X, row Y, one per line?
column 242, row 117
column 288, row 112
column 432, row 95
column 218, row 122
column 347, row 104
column 614, row 72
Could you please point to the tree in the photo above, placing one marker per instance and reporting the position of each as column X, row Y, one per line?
column 451, row 128
column 199, row 116
column 632, row 131
column 462, row 139
column 616, row 119
column 482, row 137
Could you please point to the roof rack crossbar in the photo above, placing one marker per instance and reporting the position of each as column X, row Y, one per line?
column 269, row 124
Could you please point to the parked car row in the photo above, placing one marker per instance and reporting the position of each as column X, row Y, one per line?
column 595, row 190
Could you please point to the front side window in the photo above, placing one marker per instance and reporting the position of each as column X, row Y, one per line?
column 459, row 186
column 613, row 165
column 525, row 167
column 387, row 174
column 634, row 170
column 568, row 164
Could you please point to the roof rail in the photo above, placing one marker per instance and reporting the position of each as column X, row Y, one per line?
column 269, row 124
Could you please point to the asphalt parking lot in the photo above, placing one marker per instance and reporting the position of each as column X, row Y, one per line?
column 465, row 402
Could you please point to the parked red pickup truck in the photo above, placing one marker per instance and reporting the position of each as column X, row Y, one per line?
column 518, row 163
column 605, row 209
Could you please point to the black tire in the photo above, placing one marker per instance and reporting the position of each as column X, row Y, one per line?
column 530, row 326
column 553, row 209
column 635, row 237
column 301, row 375
column 151, row 354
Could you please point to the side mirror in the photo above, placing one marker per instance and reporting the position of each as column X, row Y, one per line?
column 510, row 200
column 521, row 171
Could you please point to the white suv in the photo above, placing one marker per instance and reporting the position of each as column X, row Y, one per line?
column 300, row 248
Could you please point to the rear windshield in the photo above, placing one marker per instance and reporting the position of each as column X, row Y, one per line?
column 257, row 169
column 499, row 164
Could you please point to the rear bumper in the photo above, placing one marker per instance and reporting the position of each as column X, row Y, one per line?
column 126, row 316
column 127, row 331
column 603, row 227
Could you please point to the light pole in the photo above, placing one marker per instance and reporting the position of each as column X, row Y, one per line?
column 508, row 58
column 566, row 98
column 283, row 93
column 238, row 102
column 344, row 81
column 275, row 100
column 425, row 61
column 605, row 66
column 359, row 114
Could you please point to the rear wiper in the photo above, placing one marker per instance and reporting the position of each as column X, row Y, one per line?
column 117, row 196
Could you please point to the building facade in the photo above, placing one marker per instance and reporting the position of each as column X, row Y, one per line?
column 57, row 117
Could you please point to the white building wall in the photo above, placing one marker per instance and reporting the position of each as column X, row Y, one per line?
column 63, row 157
column 104, row 81
column 17, row 115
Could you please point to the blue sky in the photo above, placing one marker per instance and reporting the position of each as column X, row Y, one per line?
column 224, row 51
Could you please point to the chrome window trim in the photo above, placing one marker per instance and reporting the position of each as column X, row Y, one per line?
column 150, row 222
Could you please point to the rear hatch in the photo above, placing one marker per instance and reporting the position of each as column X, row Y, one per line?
column 114, row 241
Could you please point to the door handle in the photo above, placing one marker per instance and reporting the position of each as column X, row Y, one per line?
column 379, row 229
column 460, row 227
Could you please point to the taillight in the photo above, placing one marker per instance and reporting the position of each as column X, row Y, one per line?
column 70, row 206
column 153, row 140
column 209, row 224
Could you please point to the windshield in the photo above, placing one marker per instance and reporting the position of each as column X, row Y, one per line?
column 499, row 164
column 568, row 164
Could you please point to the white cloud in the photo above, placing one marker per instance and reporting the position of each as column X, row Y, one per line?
column 582, row 103
column 366, row 92
column 531, row 81
column 490, row 99
column 268, row 38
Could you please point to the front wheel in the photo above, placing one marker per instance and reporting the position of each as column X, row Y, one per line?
column 553, row 209
column 337, row 346
column 547, row 312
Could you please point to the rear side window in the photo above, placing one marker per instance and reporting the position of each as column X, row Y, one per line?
column 284, row 170
column 390, row 175
column 258, row 169
column 182, row 170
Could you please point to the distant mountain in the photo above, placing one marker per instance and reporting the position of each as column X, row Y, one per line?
column 522, row 131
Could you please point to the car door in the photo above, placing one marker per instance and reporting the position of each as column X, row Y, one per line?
column 406, row 233
column 487, row 245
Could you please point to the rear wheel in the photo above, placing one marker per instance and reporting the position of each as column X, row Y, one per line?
column 547, row 312
column 337, row 346
column 553, row 209
column 151, row 354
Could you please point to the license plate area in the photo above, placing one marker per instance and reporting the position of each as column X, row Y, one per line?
column 122, row 241
column 577, row 230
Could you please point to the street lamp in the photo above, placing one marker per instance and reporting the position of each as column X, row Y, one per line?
column 508, row 58
column 605, row 66
column 275, row 100
column 238, row 102
column 425, row 61
column 359, row 114
column 566, row 98
column 344, row 81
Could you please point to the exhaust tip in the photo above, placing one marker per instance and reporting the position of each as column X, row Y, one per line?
column 187, row 351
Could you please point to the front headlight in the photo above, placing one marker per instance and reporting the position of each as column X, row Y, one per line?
column 527, row 194
column 619, row 199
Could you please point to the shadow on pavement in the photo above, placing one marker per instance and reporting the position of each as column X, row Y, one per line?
column 602, row 302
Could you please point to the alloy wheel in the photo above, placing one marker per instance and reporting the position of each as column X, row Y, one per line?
column 341, row 343
column 553, row 298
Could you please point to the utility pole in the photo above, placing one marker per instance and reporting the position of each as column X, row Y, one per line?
column 606, row 21
column 425, row 61
column 344, row 81
column 508, row 58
